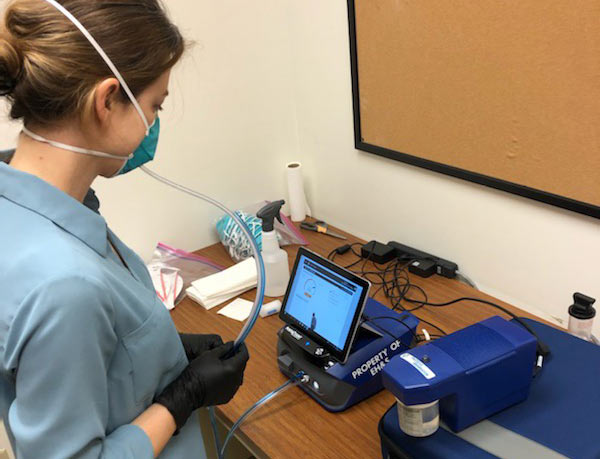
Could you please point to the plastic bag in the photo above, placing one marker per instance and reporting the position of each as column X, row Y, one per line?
column 175, row 263
column 237, row 245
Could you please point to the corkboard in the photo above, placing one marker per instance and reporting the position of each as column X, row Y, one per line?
column 503, row 93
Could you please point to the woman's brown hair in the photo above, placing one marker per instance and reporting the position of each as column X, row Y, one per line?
column 48, row 68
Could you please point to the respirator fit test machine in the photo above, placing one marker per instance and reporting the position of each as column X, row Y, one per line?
column 464, row 377
column 336, row 335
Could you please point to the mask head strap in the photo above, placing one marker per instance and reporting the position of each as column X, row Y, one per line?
column 104, row 56
column 64, row 146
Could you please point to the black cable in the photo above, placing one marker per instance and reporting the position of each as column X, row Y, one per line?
column 397, row 289
column 542, row 349
column 477, row 300
column 434, row 326
column 389, row 287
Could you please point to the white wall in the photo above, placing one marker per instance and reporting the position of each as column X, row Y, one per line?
column 530, row 254
column 8, row 129
column 268, row 82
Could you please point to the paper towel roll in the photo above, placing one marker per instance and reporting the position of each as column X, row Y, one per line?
column 297, row 199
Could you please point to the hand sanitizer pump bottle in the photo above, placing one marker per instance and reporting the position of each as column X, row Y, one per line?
column 277, row 269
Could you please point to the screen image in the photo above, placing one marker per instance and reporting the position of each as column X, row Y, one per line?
column 323, row 302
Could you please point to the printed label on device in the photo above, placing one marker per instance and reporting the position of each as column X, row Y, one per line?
column 420, row 366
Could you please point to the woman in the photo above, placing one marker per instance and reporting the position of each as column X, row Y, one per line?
column 90, row 362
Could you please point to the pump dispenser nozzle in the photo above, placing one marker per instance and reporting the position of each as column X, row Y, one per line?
column 581, row 316
column 269, row 213
column 276, row 260
column 582, row 307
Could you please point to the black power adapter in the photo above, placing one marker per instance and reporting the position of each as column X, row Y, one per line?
column 377, row 252
column 424, row 268
column 446, row 268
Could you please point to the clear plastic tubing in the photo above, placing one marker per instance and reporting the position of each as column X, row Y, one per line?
column 290, row 383
column 260, row 267
column 260, row 287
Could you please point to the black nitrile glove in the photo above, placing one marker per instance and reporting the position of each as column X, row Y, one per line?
column 195, row 344
column 210, row 379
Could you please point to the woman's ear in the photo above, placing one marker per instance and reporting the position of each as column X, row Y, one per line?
column 105, row 97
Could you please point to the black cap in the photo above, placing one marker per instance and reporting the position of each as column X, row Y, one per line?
column 269, row 213
column 582, row 309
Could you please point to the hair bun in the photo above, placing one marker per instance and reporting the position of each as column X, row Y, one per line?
column 11, row 66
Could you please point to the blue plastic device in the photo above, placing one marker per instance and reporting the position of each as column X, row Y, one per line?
column 474, row 372
column 338, row 386
column 561, row 412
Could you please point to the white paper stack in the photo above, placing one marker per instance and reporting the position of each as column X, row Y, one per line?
column 217, row 288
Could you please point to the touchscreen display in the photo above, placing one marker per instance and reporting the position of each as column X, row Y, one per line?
column 323, row 302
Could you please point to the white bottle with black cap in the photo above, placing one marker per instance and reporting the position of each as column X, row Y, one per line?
column 581, row 316
column 277, row 269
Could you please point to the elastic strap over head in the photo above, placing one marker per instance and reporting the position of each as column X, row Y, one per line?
column 104, row 56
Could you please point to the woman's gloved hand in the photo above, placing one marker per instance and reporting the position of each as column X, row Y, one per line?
column 210, row 379
column 195, row 344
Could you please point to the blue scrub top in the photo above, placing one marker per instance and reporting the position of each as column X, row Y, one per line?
column 85, row 343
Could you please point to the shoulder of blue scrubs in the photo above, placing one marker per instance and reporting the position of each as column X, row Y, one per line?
column 76, row 331
column 90, row 201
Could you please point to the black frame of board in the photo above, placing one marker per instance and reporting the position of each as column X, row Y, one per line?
column 514, row 188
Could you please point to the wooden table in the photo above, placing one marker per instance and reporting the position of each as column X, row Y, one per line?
column 293, row 425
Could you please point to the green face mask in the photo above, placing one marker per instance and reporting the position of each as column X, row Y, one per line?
column 146, row 151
